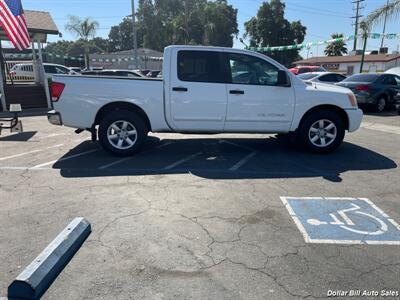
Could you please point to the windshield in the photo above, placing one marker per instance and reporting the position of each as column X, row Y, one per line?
column 362, row 78
column 307, row 76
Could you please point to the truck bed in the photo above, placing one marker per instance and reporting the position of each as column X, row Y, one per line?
column 90, row 93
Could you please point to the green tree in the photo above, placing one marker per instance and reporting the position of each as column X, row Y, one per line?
column 220, row 24
column 164, row 22
column 101, row 44
column 81, row 46
column 59, row 47
column 83, row 29
column 391, row 10
column 336, row 48
column 121, row 36
column 270, row 28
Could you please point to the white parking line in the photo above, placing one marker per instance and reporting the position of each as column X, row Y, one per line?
column 381, row 127
column 29, row 152
column 131, row 157
column 181, row 161
column 243, row 161
column 64, row 159
column 237, row 145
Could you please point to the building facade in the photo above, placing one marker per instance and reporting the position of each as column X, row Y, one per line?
column 351, row 64
column 147, row 59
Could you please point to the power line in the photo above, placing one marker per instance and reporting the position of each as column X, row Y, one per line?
column 357, row 17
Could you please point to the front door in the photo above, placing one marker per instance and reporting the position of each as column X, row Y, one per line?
column 197, row 91
column 255, row 100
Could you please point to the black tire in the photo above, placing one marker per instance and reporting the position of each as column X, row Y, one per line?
column 380, row 104
column 305, row 135
column 134, row 120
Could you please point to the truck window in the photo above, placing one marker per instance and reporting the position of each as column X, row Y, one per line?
column 199, row 66
column 246, row 69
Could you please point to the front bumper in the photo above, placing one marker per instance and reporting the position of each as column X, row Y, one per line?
column 54, row 118
column 355, row 117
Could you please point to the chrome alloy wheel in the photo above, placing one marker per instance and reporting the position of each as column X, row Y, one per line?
column 122, row 134
column 322, row 133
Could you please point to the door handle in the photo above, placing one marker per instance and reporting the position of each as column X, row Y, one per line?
column 179, row 89
column 236, row 92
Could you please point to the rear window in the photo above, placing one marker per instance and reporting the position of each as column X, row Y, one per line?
column 362, row 78
column 307, row 76
column 199, row 66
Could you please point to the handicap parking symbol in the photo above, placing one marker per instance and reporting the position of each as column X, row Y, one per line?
column 342, row 221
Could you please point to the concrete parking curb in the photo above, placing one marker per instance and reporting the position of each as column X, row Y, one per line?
column 33, row 282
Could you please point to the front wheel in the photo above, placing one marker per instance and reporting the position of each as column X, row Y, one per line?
column 122, row 132
column 322, row 131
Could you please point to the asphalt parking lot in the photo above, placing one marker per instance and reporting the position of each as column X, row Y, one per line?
column 194, row 216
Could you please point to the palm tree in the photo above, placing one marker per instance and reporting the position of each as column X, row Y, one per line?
column 83, row 29
column 389, row 10
column 336, row 48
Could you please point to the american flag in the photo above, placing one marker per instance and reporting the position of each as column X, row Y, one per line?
column 12, row 19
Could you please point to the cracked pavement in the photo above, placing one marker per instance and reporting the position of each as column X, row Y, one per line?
column 197, row 231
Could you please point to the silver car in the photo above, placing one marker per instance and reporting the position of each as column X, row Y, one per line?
column 323, row 77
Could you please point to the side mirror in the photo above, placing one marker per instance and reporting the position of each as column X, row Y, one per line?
column 283, row 79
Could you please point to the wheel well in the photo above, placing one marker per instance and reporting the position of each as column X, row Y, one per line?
column 121, row 106
column 334, row 108
column 384, row 96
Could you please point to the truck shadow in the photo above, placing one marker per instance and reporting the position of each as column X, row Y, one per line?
column 232, row 158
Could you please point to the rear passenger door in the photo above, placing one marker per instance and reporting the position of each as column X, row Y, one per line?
column 197, row 91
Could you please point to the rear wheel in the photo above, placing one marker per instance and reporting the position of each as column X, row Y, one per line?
column 122, row 132
column 380, row 104
column 322, row 131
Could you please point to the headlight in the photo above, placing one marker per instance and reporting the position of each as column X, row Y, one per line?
column 352, row 99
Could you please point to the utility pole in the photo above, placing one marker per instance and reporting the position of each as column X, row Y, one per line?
column 364, row 29
column 384, row 24
column 135, row 50
column 186, row 22
column 357, row 18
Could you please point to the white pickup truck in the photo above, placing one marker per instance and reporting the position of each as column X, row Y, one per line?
column 205, row 90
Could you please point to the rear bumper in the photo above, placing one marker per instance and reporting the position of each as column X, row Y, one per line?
column 355, row 117
column 54, row 118
column 365, row 99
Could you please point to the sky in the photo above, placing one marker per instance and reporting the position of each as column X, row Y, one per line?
column 321, row 17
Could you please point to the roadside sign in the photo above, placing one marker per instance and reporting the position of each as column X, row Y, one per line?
column 342, row 221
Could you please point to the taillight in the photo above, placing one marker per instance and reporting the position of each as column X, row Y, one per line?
column 56, row 90
column 362, row 88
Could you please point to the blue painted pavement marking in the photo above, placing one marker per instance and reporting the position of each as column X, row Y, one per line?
column 342, row 221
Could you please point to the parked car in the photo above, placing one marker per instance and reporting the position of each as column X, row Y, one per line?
column 395, row 71
column 26, row 69
column 306, row 69
column 376, row 90
column 153, row 73
column 76, row 69
column 397, row 104
column 323, row 77
column 199, row 94
column 120, row 73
